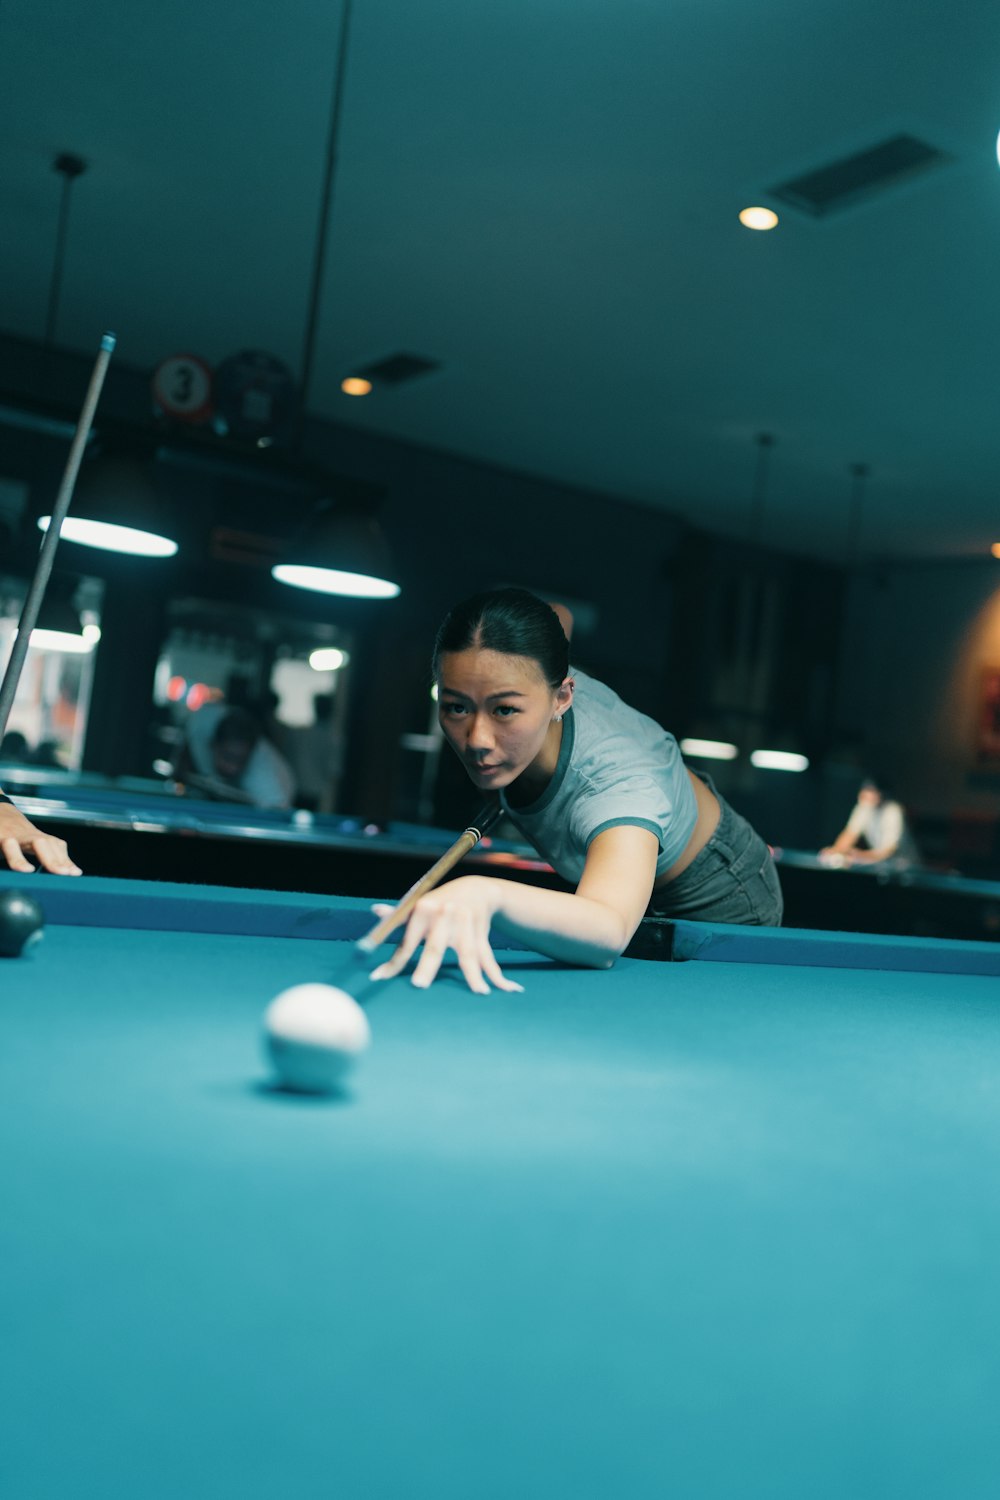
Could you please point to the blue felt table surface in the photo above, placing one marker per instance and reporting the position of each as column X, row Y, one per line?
column 696, row 1230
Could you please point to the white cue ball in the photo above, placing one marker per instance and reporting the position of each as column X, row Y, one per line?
column 313, row 1035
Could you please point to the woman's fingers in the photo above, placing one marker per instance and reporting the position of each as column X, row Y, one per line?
column 495, row 974
column 413, row 935
column 12, row 853
column 443, row 925
column 49, row 852
column 53, row 856
column 446, row 930
column 454, row 919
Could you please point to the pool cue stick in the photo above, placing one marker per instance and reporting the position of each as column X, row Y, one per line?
column 46, row 553
column 221, row 791
column 449, row 859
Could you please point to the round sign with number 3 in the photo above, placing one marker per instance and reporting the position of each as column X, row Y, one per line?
column 182, row 388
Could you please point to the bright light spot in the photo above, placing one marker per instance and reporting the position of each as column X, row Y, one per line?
column 434, row 691
column 995, row 549
column 197, row 695
column 327, row 659
column 163, row 767
column 709, row 749
column 355, row 385
column 758, row 218
column 111, row 538
column 92, row 634
column 333, row 581
column 998, row 149
column 779, row 760
column 59, row 640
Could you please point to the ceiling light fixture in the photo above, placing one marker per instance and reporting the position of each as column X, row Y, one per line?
column 117, row 509
column 59, row 629
column 758, row 218
column 340, row 550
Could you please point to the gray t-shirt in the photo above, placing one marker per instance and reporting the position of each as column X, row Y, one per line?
column 616, row 766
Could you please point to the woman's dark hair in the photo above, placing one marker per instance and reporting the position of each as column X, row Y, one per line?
column 513, row 622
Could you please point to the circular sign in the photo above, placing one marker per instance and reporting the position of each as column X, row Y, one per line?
column 255, row 397
column 182, row 388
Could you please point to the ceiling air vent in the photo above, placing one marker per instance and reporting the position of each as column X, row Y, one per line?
column 396, row 369
column 843, row 182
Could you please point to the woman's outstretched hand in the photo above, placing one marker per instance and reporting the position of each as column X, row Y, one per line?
column 19, row 838
column 454, row 918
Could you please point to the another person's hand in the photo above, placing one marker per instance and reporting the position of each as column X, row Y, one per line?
column 19, row 838
column 455, row 917
column 836, row 859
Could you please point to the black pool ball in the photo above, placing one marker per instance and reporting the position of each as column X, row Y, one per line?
column 21, row 923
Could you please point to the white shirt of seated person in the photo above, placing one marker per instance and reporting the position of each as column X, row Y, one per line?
column 266, row 778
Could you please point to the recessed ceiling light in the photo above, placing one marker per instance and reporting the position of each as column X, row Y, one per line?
column 758, row 218
column 354, row 385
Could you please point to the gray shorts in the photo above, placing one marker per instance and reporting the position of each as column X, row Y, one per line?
column 733, row 879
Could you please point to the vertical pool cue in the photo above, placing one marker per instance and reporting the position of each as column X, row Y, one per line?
column 488, row 815
column 46, row 553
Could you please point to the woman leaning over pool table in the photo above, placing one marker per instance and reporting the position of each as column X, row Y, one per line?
column 600, row 790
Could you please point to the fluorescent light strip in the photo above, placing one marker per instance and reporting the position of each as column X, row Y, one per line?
column 778, row 760
column 709, row 749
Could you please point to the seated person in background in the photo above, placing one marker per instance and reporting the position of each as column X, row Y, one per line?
column 15, row 748
column 879, row 820
column 226, row 755
column 47, row 754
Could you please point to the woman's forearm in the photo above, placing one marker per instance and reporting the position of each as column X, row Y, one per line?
column 557, row 923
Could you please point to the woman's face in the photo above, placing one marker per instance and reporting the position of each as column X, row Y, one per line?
column 498, row 714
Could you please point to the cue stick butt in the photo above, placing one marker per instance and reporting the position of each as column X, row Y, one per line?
column 449, row 859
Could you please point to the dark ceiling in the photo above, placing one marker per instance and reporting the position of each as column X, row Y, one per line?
column 541, row 197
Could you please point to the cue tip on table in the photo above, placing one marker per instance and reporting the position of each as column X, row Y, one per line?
column 108, row 342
